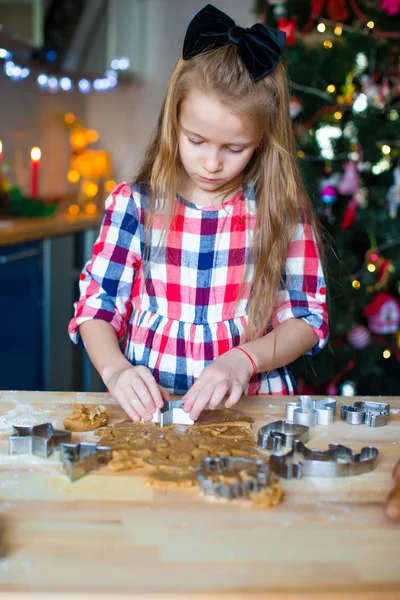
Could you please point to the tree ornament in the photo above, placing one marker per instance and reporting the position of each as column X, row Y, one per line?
column 289, row 26
column 359, row 337
column 295, row 107
column 383, row 314
column 390, row 6
column 393, row 194
column 350, row 180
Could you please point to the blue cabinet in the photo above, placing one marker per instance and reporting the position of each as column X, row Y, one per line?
column 21, row 317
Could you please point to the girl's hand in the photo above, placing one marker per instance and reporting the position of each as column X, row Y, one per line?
column 137, row 392
column 226, row 375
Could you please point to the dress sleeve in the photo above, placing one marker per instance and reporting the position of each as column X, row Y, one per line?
column 304, row 296
column 107, row 279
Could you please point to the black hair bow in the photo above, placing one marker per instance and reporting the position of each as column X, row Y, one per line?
column 259, row 47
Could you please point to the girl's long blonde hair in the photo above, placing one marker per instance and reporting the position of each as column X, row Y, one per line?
column 281, row 199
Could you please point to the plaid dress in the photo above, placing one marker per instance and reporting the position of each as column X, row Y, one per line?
column 184, row 313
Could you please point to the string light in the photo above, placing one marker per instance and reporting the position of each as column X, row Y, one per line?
column 73, row 176
column 321, row 27
column 356, row 284
column 370, row 24
column 300, row 153
column 91, row 209
column 386, row 353
column 393, row 114
column 69, row 118
column 338, row 115
column 328, row 44
column 371, row 267
column 386, row 149
column 110, row 185
column 331, row 88
column 90, row 189
column 73, row 209
column 65, row 84
column 338, row 30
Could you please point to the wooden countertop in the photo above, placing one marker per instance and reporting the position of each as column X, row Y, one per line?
column 110, row 534
column 24, row 229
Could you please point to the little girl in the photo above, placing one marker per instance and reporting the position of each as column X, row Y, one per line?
column 205, row 280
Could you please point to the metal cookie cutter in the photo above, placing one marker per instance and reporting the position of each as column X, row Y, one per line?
column 256, row 476
column 79, row 459
column 39, row 440
column 337, row 461
column 311, row 412
column 375, row 414
column 280, row 433
column 172, row 412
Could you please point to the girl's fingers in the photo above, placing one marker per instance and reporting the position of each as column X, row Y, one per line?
column 136, row 404
column 218, row 394
column 141, row 391
column 201, row 402
column 156, row 399
column 126, row 405
column 190, row 396
column 236, row 393
column 164, row 394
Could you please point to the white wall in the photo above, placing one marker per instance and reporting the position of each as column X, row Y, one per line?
column 126, row 116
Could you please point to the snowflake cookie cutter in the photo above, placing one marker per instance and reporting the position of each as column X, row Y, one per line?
column 281, row 433
column 337, row 461
column 80, row 459
column 39, row 440
column 374, row 414
column 172, row 412
column 309, row 412
column 255, row 476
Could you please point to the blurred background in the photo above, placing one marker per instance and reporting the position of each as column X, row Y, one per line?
column 81, row 84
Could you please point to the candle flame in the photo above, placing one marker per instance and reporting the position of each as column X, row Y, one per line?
column 1, row 146
column 35, row 154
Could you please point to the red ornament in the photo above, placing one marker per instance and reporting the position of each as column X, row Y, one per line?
column 337, row 10
column 289, row 26
column 383, row 314
column 359, row 337
column 390, row 6
column 349, row 214
column 316, row 8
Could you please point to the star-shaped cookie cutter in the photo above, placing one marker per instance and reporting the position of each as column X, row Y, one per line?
column 311, row 412
column 374, row 414
column 39, row 440
column 79, row 459
column 280, row 433
column 337, row 461
column 172, row 412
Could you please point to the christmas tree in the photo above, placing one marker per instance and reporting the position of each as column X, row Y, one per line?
column 342, row 59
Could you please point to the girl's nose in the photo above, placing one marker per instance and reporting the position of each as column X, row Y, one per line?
column 213, row 162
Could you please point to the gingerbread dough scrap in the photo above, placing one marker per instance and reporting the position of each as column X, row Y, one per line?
column 86, row 419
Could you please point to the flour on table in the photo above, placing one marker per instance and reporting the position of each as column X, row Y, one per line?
column 23, row 415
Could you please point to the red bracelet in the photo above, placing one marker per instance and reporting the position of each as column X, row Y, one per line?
column 255, row 368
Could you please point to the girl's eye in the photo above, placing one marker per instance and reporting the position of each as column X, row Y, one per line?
column 235, row 151
column 195, row 142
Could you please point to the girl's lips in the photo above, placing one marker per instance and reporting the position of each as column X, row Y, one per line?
column 207, row 179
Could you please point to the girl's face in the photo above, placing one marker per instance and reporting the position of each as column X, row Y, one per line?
column 215, row 145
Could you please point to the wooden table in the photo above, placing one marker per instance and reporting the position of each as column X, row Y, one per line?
column 28, row 229
column 109, row 533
